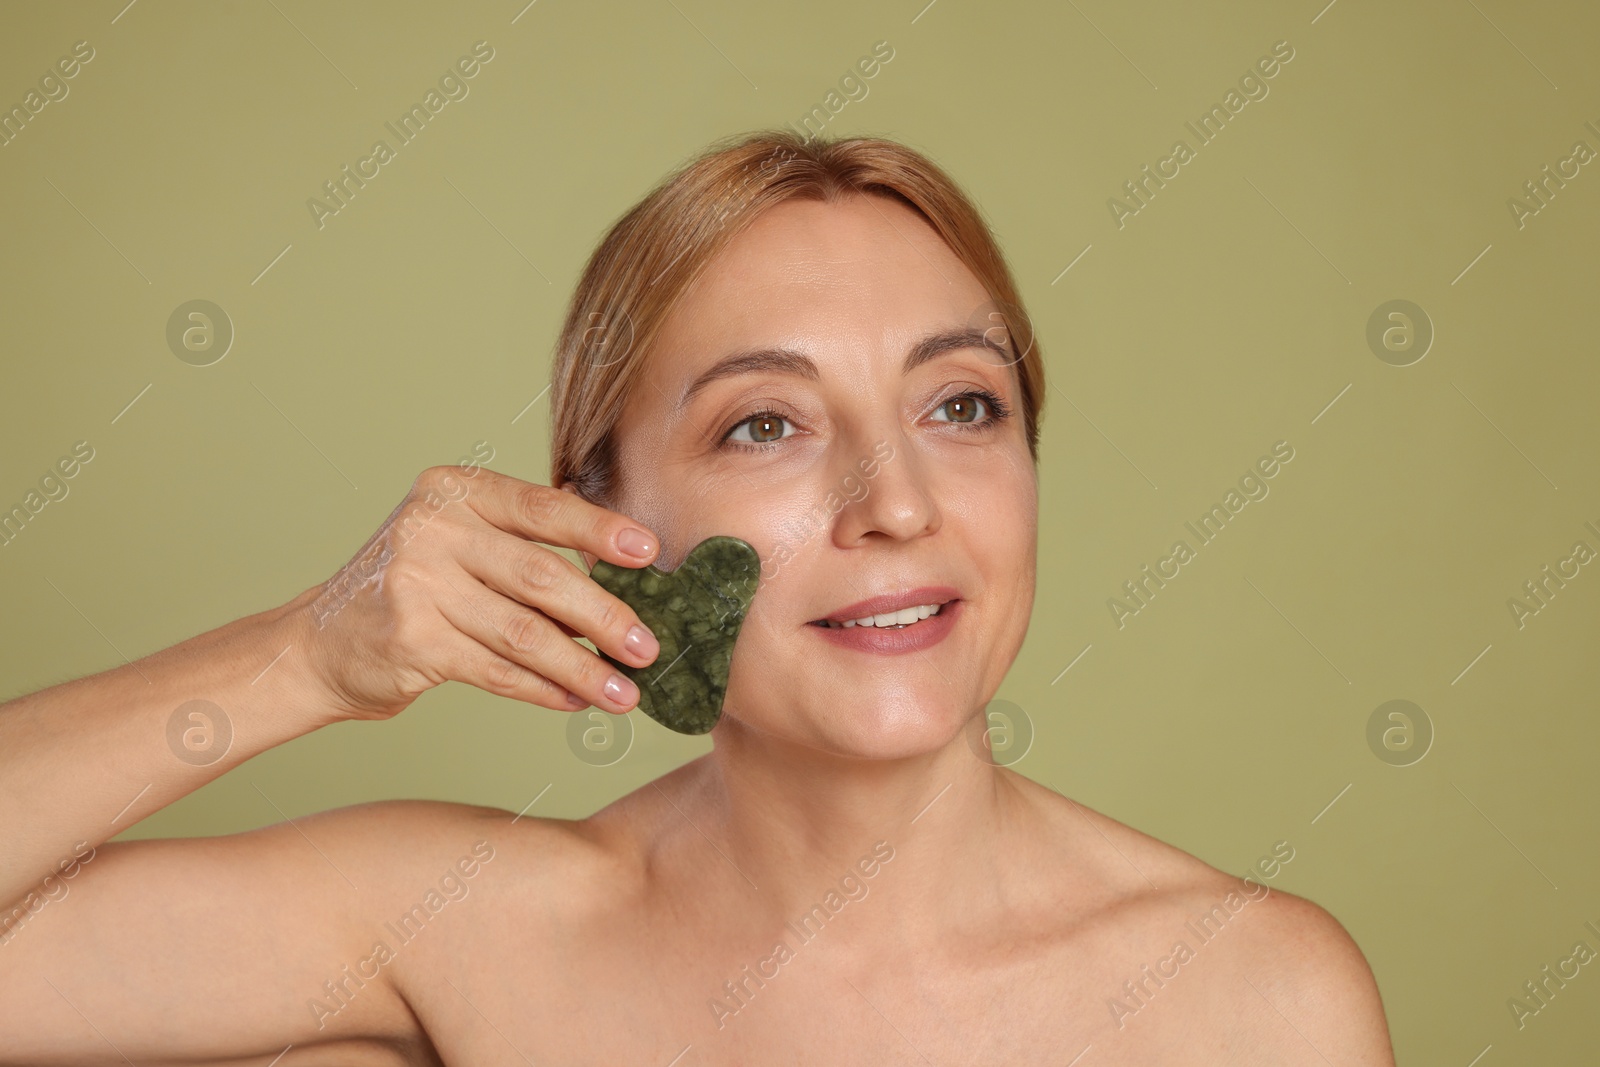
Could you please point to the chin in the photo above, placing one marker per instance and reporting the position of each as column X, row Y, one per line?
column 897, row 726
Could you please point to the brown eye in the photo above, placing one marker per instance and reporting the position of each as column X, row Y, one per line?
column 963, row 408
column 759, row 429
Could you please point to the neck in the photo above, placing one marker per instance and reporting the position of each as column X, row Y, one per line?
column 794, row 821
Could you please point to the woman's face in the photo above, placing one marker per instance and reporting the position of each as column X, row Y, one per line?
column 853, row 476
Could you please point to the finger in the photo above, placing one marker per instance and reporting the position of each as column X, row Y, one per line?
column 527, row 637
column 541, row 513
column 465, row 659
column 532, row 574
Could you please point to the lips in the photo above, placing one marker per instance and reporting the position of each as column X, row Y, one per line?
column 893, row 640
column 891, row 602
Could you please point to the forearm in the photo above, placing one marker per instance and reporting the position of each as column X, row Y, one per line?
column 82, row 761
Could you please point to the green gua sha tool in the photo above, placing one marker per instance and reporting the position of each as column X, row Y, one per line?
column 695, row 613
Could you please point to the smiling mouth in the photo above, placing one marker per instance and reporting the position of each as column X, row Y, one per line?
column 892, row 620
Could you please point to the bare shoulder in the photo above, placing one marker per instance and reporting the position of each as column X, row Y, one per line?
column 557, row 864
column 1130, row 868
column 408, row 844
column 443, row 883
column 445, row 865
column 1303, row 968
column 1278, row 968
column 326, row 921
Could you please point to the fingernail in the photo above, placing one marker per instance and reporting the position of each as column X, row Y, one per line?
column 621, row 691
column 574, row 701
column 641, row 642
column 635, row 542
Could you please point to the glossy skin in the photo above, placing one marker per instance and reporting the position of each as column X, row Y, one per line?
column 998, row 920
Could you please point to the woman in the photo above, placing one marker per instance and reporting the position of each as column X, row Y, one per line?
column 845, row 878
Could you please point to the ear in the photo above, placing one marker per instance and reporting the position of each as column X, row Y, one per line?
column 588, row 560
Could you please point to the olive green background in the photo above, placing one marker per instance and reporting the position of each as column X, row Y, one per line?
column 1229, row 314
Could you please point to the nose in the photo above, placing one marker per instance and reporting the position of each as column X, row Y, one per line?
column 900, row 501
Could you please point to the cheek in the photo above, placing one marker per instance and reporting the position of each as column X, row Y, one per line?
column 1004, row 540
column 673, row 513
column 999, row 502
column 1028, row 529
column 684, row 506
column 786, row 525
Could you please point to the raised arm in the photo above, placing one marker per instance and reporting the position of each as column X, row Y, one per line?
column 114, row 950
column 84, row 760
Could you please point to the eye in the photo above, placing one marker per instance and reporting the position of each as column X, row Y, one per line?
column 761, row 428
column 963, row 408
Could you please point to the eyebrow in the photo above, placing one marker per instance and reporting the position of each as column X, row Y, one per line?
column 788, row 361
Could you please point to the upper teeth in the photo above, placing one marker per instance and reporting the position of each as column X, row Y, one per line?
column 903, row 617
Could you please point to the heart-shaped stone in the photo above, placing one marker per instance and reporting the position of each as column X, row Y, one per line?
column 695, row 612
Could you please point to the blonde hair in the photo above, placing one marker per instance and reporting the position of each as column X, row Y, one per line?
column 660, row 246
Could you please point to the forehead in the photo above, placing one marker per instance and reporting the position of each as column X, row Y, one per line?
column 865, row 272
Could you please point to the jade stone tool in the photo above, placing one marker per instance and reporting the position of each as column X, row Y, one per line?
column 695, row 612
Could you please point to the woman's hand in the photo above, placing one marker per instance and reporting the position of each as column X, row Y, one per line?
column 456, row 585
